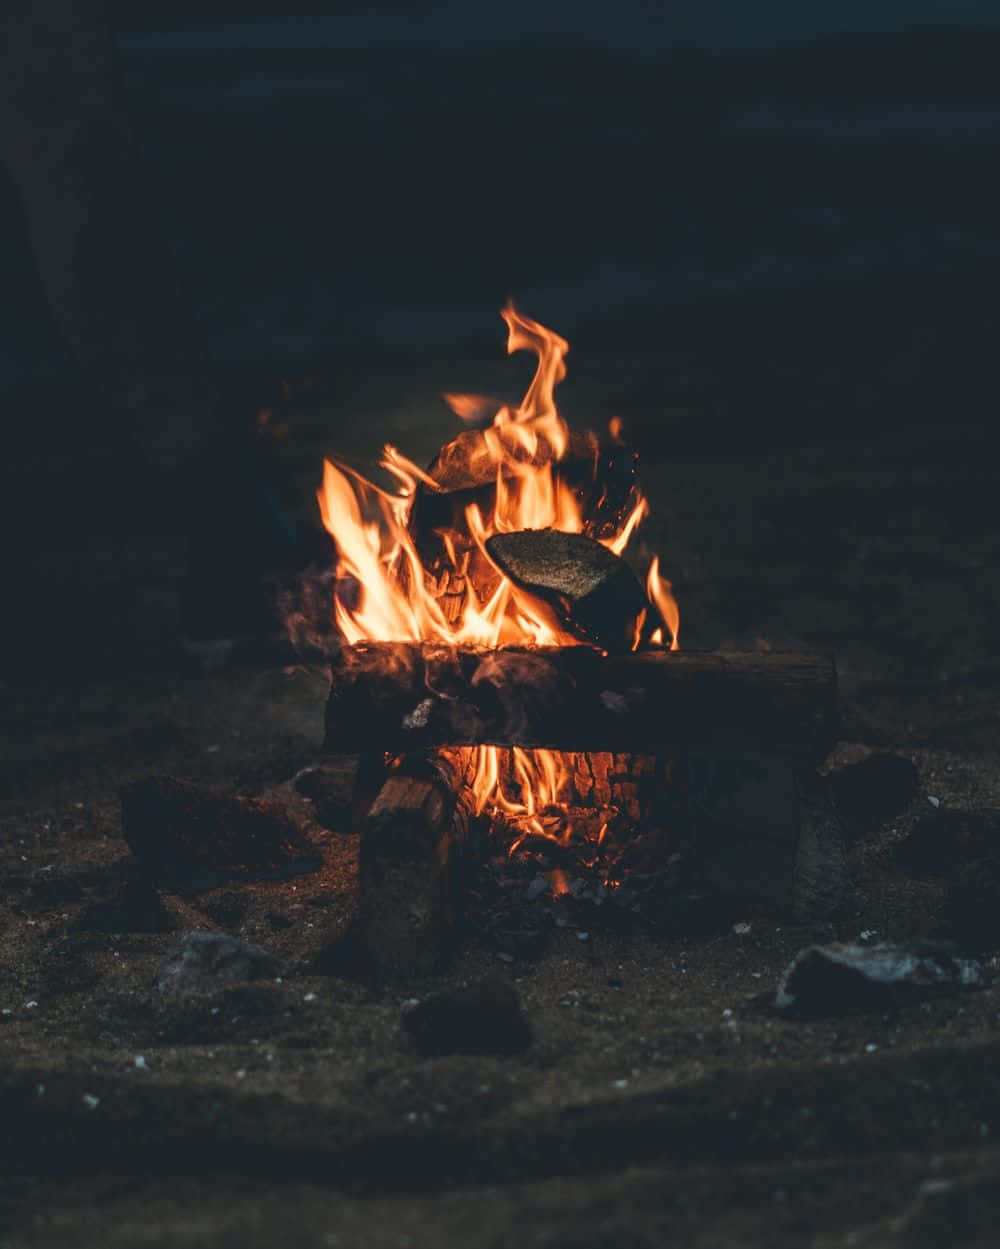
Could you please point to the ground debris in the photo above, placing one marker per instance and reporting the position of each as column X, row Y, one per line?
column 202, row 962
column 843, row 978
column 483, row 1017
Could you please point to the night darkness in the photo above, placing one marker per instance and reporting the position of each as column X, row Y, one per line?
column 771, row 234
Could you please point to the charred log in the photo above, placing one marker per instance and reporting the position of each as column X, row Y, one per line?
column 415, row 842
column 594, row 591
column 402, row 697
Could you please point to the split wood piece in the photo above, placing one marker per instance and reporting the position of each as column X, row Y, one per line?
column 469, row 460
column 415, row 842
column 602, row 476
column 192, row 836
column 594, row 591
column 406, row 696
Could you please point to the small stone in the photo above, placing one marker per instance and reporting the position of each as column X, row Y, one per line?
column 841, row 979
column 583, row 936
column 537, row 887
column 876, row 789
column 135, row 907
column 140, row 1063
column 935, row 802
column 945, row 840
column 484, row 1017
column 741, row 930
column 90, row 1101
column 202, row 962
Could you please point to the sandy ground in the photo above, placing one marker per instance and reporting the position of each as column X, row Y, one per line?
column 821, row 478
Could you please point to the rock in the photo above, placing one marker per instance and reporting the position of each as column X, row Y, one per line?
column 484, row 1017
column 944, row 840
column 841, row 978
column 202, row 962
column 873, row 791
column 135, row 907
column 974, row 904
column 191, row 836
column 329, row 787
column 595, row 592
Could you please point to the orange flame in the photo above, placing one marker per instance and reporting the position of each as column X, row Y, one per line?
column 397, row 599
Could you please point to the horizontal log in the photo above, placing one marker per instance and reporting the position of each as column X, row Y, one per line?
column 401, row 697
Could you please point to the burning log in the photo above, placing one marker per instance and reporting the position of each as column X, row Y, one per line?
column 401, row 697
column 412, row 843
column 595, row 592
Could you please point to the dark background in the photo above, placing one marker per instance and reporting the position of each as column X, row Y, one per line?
column 771, row 232
column 381, row 176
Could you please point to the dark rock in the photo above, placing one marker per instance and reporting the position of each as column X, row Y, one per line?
column 974, row 904
column 595, row 592
column 136, row 907
column 874, row 790
column 330, row 789
column 484, row 1017
column 202, row 962
column 191, row 836
column 944, row 840
column 841, row 978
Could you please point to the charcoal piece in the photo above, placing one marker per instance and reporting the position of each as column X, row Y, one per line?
column 594, row 591
column 944, row 840
column 842, row 979
column 484, row 1017
column 202, row 962
column 974, row 904
column 191, row 836
column 876, row 789
column 405, row 696
column 135, row 907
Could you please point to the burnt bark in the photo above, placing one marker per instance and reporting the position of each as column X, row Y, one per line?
column 415, row 843
column 402, row 697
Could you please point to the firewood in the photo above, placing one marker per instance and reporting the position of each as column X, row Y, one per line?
column 602, row 475
column 413, row 842
column 400, row 697
column 594, row 591
column 192, row 836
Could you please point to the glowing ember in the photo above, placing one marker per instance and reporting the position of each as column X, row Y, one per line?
column 396, row 598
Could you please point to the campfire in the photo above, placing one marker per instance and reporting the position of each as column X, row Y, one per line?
column 506, row 676
column 472, row 552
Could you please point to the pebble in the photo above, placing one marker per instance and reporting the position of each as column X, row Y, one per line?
column 90, row 1101
column 202, row 962
column 483, row 1017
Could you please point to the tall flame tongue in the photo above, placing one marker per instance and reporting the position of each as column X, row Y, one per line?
column 394, row 598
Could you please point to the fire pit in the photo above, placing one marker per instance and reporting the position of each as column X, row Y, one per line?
column 504, row 674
